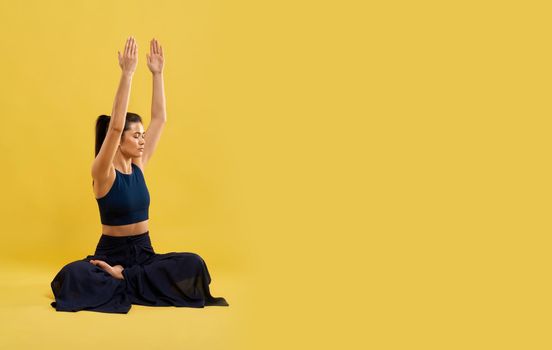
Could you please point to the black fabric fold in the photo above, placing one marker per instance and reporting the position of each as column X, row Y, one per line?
column 179, row 279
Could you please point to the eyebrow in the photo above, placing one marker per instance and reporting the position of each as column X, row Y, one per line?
column 138, row 132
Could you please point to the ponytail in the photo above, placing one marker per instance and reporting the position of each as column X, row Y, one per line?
column 102, row 124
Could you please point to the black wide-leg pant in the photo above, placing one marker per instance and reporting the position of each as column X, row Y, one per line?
column 152, row 279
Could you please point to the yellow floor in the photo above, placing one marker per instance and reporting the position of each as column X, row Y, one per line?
column 29, row 322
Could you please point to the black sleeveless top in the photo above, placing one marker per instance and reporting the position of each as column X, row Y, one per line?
column 127, row 201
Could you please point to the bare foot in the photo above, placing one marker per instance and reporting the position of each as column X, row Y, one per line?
column 115, row 271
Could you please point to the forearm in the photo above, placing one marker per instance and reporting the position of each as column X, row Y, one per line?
column 158, row 105
column 120, row 105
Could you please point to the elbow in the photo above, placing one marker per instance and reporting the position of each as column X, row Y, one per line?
column 117, row 129
column 161, row 118
column 117, row 124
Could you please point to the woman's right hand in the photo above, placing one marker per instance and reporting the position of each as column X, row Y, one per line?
column 129, row 59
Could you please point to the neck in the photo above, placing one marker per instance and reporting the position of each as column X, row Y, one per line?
column 122, row 163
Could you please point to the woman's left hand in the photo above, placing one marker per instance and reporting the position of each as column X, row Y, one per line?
column 155, row 58
column 115, row 271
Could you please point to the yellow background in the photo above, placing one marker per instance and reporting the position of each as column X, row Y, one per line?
column 357, row 175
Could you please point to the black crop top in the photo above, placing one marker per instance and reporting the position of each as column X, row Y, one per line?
column 127, row 201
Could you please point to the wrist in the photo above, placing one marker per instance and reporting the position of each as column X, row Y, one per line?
column 157, row 74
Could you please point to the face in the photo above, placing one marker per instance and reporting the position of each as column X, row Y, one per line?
column 133, row 141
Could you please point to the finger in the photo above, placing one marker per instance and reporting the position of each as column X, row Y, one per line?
column 105, row 266
column 151, row 47
column 155, row 47
column 161, row 50
column 127, row 47
column 134, row 47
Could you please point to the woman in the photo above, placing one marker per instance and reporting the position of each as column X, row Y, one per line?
column 125, row 269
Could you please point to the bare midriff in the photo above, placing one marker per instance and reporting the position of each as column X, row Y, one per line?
column 126, row 230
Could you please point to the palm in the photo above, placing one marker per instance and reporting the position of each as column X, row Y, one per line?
column 129, row 58
column 155, row 58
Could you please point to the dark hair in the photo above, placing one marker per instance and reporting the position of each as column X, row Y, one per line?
column 102, row 125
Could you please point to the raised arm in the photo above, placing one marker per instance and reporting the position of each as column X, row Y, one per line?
column 155, row 62
column 101, row 166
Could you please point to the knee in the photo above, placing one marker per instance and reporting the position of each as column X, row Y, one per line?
column 190, row 259
column 197, row 257
column 77, row 267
